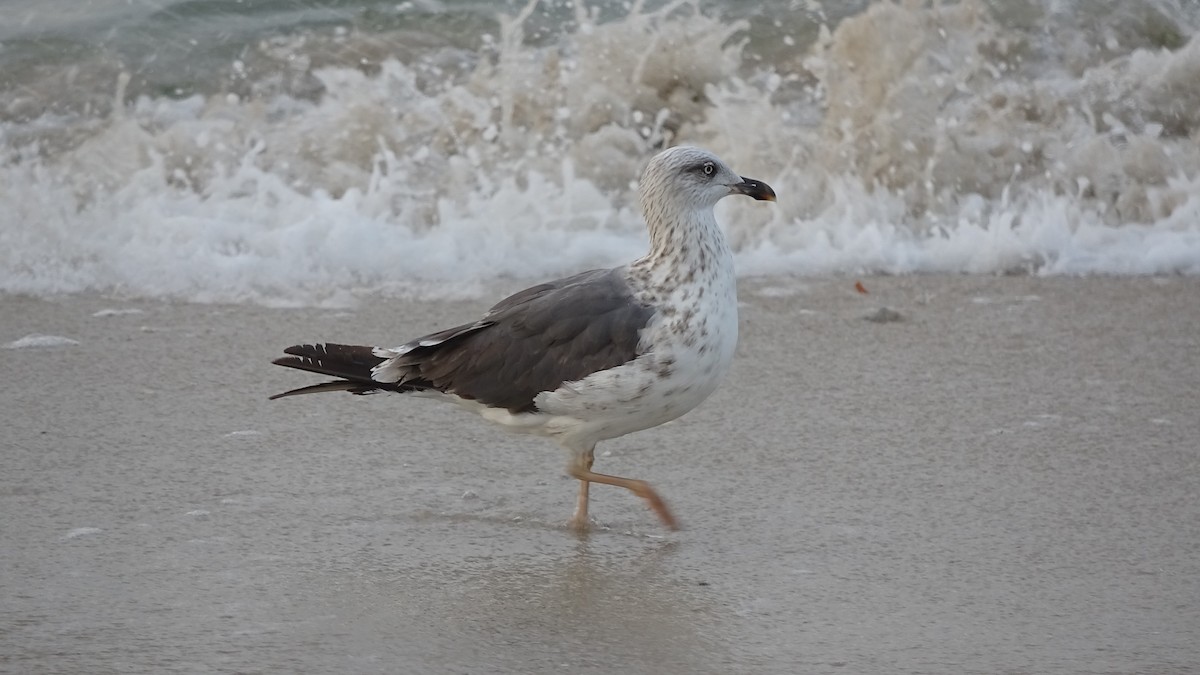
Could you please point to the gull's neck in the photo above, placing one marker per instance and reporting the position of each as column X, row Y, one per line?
column 684, row 240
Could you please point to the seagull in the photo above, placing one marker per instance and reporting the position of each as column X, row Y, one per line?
column 593, row 356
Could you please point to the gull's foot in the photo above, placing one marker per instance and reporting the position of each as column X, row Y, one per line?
column 581, row 525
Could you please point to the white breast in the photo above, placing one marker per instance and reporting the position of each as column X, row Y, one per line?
column 691, row 346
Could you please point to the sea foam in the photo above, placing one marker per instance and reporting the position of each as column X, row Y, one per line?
column 902, row 139
column 38, row 340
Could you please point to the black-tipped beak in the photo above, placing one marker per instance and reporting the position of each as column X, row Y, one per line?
column 754, row 188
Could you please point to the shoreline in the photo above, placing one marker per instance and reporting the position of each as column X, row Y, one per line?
column 1002, row 480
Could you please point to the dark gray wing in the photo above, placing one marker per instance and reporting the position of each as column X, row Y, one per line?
column 533, row 341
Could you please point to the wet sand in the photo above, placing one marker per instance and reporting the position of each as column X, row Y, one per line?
column 1004, row 481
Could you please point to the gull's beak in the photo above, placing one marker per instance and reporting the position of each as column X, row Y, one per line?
column 753, row 188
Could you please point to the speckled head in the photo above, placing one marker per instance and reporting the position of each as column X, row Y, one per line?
column 691, row 178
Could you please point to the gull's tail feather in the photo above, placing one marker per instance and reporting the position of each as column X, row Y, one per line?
column 352, row 363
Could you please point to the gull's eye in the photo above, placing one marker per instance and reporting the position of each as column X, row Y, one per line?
column 709, row 168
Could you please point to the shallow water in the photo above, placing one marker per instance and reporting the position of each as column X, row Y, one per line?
column 1002, row 481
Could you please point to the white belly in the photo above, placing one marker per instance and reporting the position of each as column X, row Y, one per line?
column 684, row 366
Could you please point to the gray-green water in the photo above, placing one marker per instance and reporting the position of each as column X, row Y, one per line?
column 301, row 153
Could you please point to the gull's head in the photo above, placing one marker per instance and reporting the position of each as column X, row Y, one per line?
column 696, row 178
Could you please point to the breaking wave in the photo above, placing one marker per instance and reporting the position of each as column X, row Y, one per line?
column 323, row 163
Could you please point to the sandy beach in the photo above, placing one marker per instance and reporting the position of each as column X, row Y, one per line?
column 1003, row 481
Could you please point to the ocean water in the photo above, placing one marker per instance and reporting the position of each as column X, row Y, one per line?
column 311, row 153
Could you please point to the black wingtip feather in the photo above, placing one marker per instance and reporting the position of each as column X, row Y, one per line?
column 352, row 363
column 336, row 385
